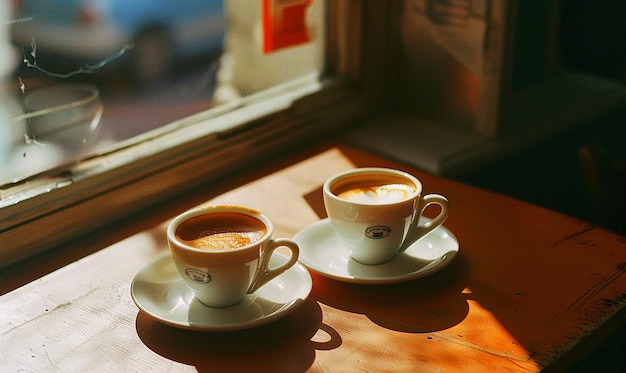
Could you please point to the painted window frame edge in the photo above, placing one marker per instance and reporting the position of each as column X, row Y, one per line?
column 101, row 190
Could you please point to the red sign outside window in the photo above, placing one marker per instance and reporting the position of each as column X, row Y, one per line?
column 284, row 24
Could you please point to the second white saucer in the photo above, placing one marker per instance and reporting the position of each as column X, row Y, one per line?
column 323, row 253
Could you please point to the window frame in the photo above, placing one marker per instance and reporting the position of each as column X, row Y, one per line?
column 63, row 205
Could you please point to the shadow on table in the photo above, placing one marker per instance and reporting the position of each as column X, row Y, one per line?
column 424, row 305
column 288, row 344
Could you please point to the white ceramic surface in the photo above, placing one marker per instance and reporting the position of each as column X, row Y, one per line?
column 159, row 291
column 322, row 252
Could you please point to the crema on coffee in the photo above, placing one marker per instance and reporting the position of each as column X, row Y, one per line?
column 378, row 194
column 221, row 231
column 373, row 189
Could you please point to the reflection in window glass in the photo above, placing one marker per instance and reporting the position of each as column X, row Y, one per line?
column 79, row 76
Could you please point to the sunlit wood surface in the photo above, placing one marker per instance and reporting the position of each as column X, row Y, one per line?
column 527, row 291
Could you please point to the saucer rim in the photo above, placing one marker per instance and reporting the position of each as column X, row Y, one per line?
column 441, row 262
column 288, row 307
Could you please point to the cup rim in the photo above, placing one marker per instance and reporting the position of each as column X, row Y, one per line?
column 381, row 170
column 181, row 218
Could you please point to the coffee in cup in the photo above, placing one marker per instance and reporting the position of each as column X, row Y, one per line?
column 223, row 231
column 223, row 252
column 374, row 210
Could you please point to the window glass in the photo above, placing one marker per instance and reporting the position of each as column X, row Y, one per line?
column 80, row 77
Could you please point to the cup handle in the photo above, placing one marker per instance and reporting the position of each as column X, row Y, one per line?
column 265, row 273
column 418, row 231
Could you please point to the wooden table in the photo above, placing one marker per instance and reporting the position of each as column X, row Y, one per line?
column 529, row 289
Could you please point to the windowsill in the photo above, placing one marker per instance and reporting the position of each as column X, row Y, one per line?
column 548, row 110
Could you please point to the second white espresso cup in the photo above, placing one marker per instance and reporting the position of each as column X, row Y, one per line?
column 374, row 210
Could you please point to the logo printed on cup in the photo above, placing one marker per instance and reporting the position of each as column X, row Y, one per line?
column 198, row 276
column 378, row 232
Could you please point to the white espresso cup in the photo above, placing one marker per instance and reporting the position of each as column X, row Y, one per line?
column 375, row 212
column 223, row 252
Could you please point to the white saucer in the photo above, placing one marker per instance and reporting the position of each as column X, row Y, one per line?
column 323, row 253
column 158, row 291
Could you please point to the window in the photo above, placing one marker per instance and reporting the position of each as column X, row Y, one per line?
column 149, row 64
column 44, row 208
